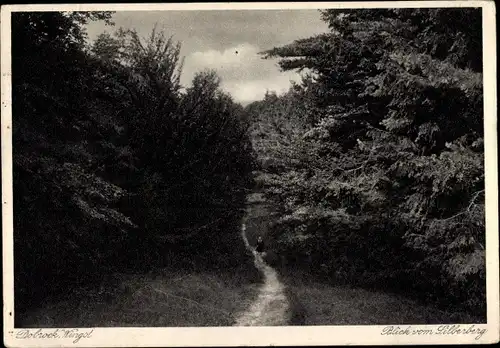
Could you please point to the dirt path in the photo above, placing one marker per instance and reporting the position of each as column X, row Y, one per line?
column 271, row 308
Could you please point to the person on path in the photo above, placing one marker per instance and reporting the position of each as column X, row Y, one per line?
column 260, row 245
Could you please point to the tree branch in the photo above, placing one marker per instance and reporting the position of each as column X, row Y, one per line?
column 476, row 194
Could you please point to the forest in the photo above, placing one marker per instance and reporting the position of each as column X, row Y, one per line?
column 374, row 161
column 116, row 167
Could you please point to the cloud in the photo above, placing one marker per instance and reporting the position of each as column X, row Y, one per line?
column 243, row 72
column 214, row 29
column 210, row 40
column 230, row 57
column 241, row 61
column 249, row 91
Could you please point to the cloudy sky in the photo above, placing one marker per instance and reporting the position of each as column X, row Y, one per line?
column 210, row 39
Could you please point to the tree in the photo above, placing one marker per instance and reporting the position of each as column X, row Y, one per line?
column 115, row 168
column 395, row 158
column 60, row 201
column 190, row 145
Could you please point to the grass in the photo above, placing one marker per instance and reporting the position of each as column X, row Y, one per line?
column 162, row 299
column 318, row 303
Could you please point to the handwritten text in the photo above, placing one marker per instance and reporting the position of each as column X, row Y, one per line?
column 73, row 334
column 455, row 329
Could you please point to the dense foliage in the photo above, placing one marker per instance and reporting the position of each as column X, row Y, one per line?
column 376, row 158
column 116, row 166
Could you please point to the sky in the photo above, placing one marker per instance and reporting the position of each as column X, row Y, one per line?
column 210, row 40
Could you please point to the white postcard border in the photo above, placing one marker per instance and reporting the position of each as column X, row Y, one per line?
column 260, row 336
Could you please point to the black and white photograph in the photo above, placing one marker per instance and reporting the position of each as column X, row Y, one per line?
column 219, row 166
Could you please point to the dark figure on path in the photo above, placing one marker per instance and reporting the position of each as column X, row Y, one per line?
column 260, row 245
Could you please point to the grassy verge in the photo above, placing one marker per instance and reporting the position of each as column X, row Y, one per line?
column 162, row 299
column 316, row 303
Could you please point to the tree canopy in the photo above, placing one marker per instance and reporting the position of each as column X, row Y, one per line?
column 384, row 175
column 116, row 166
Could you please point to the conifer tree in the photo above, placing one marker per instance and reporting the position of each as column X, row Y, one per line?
column 394, row 173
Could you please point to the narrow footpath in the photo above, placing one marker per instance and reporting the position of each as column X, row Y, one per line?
column 271, row 306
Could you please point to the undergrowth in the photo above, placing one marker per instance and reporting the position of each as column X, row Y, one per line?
column 161, row 299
